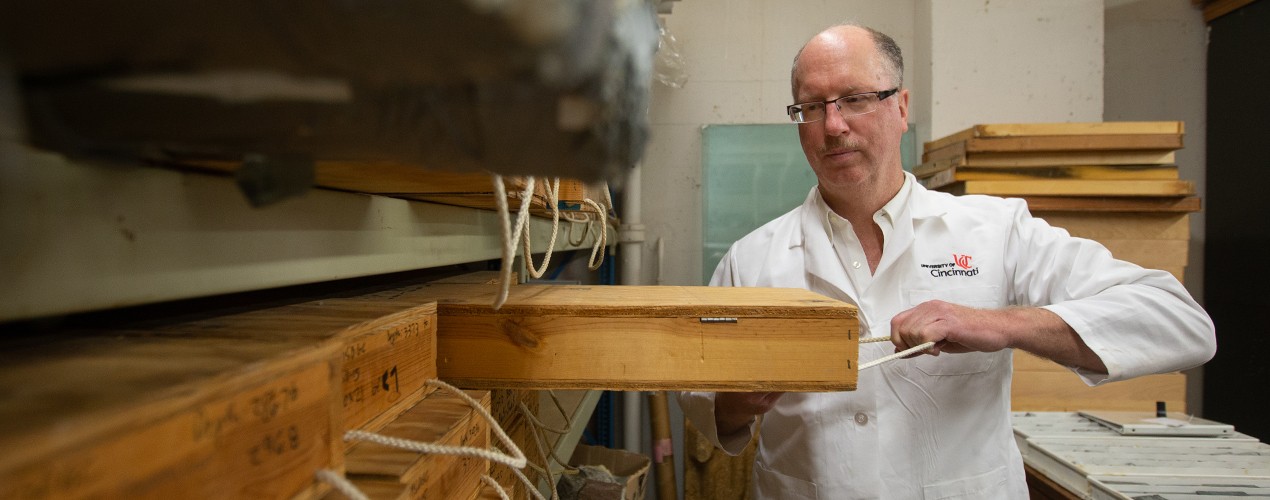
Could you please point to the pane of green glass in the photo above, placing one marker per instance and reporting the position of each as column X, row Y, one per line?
column 753, row 174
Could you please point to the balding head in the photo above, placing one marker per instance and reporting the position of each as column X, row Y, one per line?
column 886, row 51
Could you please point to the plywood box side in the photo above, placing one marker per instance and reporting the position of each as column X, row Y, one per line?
column 1137, row 226
column 440, row 418
column 1078, row 128
column 266, row 426
column 634, row 353
column 1064, row 391
column 1070, row 158
column 650, row 301
column 1112, row 204
column 1082, row 142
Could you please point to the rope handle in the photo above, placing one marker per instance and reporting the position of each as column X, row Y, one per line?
column 898, row 355
column 521, row 232
column 515, row 460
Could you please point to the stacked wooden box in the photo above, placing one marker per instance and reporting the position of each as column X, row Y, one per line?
column 1112, row 182
column 252, row 403
column 243, row 405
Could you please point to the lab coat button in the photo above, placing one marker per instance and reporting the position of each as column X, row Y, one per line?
column 856, row 264
column 861, row 418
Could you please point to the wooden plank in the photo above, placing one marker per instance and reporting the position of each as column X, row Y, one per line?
column 1104, row 204
column 1143, row 226
column 441, row 418
column 1094, row 142
column 1057, row 129
column 1066, row 187
column 1048, row 390
column 1078, row 128
column 475, row 278
column 1214, row 9
column 1071, row 158
column 402, row 180
column 939, row 179
column 960, row 136
column 932, row 167
column 951, row 151
column 649, row 338
column 1151, row 254
column 99, row 416
column 388, row 347
column 1084, row 172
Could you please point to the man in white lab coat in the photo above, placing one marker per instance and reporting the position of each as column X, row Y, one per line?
column 976, row 275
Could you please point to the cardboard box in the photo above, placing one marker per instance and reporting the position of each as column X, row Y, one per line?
column 630, row 469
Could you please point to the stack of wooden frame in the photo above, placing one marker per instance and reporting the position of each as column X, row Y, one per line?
column 1112, row 182
column 1069, row 160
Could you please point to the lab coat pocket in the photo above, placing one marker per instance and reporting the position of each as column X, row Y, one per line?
column 983, row 297
column 990, row 485
column 771, row 484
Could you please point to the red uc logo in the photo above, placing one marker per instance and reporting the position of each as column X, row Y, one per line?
column 963, row 261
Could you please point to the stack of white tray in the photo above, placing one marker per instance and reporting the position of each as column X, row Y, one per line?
column 1108, row 461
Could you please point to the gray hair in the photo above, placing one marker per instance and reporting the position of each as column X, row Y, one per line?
column 886, row 46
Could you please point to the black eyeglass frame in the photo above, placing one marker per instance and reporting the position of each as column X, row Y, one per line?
column 882, row 96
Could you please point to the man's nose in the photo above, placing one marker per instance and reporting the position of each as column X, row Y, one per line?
column 835, row 123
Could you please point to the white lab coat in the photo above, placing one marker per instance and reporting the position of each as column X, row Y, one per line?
column 938, row 426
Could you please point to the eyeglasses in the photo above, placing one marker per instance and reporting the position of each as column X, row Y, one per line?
column 848, row 105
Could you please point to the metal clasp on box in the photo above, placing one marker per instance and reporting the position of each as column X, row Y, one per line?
column 718, row 320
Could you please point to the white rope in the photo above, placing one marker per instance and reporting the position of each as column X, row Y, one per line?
column 601, row 238
column 537, row 427
column 898, row 355
column 516, row 460
column 553, row 195
column 510, row 237
column 529, row 485
column 872, row 340
column 341, row 484
column 489, row 481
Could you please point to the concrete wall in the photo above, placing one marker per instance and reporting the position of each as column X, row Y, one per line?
column 1010, row 61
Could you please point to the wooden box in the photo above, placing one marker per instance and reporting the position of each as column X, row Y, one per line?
column 387, row 347
column 648, row 338
column 440, row 418
column 97, row 416
column 1042, row 385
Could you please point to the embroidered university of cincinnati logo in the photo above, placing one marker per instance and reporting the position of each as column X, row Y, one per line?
column 961, row 265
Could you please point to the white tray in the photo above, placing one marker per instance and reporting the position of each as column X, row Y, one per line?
column 1070, row 461
column 1177, row 488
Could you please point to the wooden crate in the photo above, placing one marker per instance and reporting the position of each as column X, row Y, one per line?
column 119, row 416
column 648, row 338
column 441, row 418
column 1158, row 240
column 1042, row 385
column 387, row 347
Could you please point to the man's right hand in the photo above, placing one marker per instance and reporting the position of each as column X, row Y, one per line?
column 733, row 411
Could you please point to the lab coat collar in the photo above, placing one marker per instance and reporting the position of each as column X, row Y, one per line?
column 821, row 259
column 923, row 204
